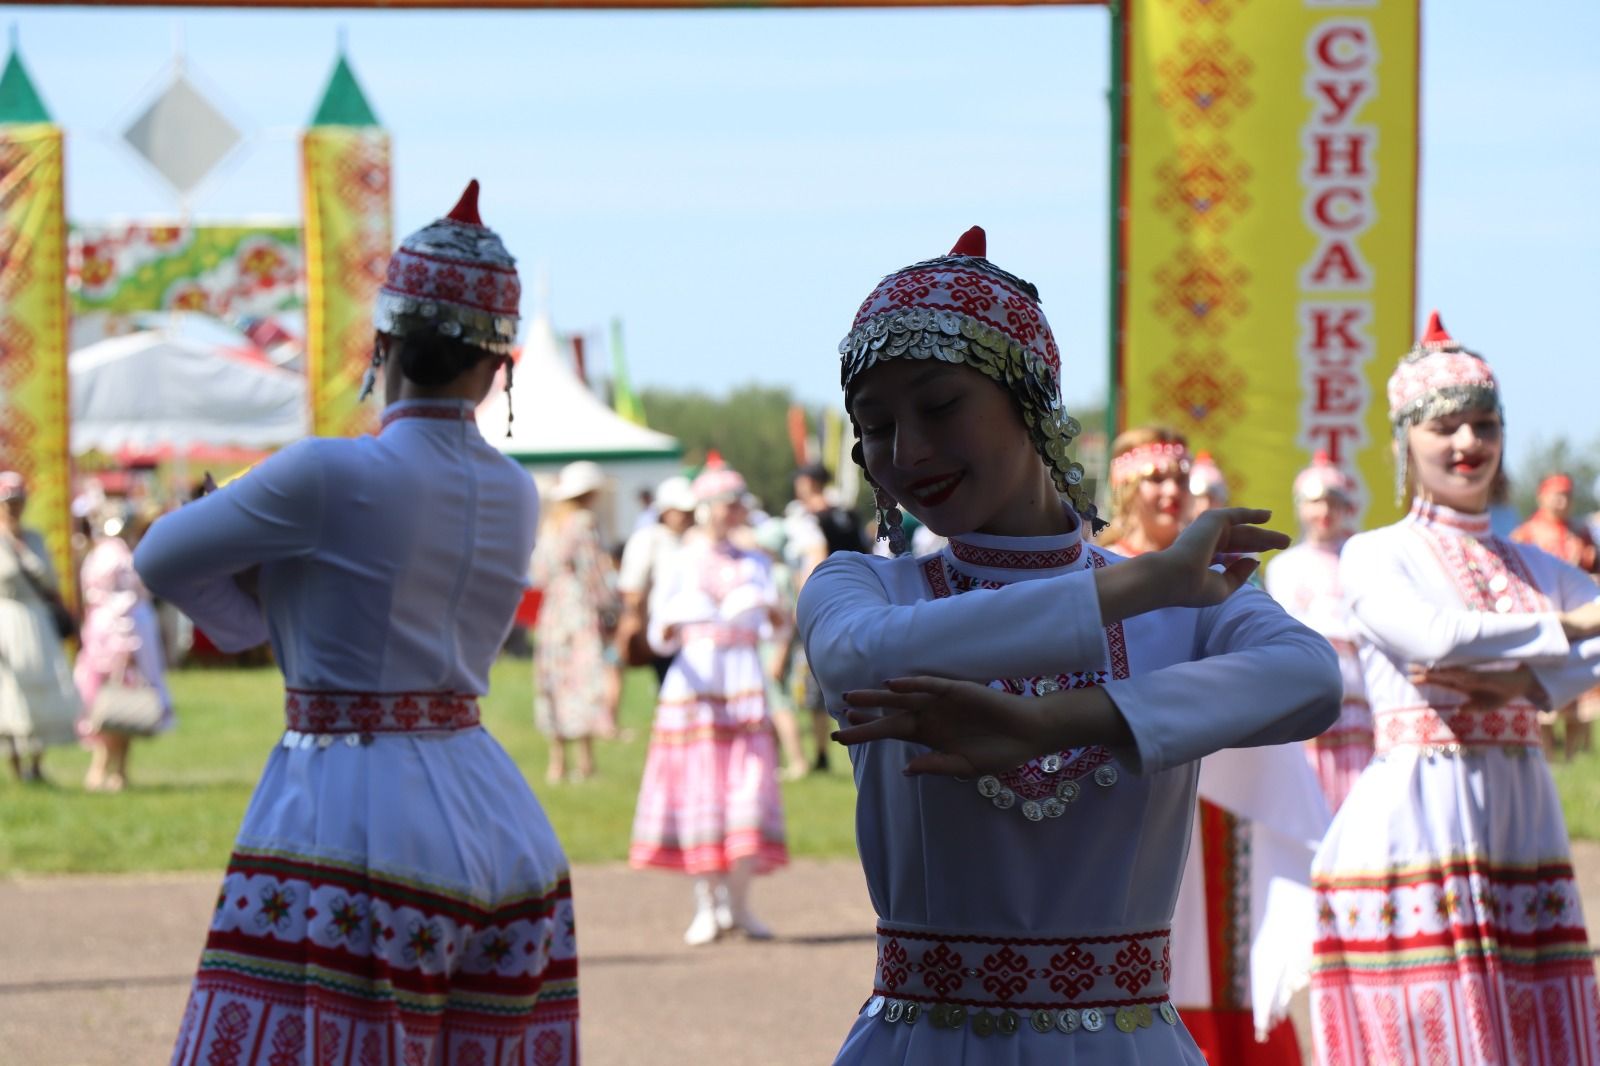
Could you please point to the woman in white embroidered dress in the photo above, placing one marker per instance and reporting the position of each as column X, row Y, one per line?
column 1258, row 821
column 396, row 895
column 709, row 803
column 1023, row 914
column 1449, row 925
column 1305, row 579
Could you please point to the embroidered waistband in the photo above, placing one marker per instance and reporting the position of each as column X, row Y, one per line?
column 1451, row 728
column 724, row 636
column 1024, row 973
column 308, row 711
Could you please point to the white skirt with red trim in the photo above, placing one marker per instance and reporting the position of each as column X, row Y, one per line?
column 1449, row 926
column 710, row 795
column 1339, row 755
column 394, row 899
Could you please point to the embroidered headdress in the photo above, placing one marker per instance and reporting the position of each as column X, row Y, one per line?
column 453, row 277
column 1436, row 378
column 960, row 308
column 1150, row 458
column 718, row 483
column 1323, row 480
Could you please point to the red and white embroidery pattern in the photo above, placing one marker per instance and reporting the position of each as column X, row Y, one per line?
column 978, row 555
column 1032, row 973
column 378, row 968
column 984, row 298
column 378, row 712
column 1515, row 725
column 1042, row 787
column 1437, row 944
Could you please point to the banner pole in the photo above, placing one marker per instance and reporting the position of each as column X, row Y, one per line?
column 1116, row 98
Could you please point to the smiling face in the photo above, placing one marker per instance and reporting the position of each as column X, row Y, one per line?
column 1455, row 458
column 1160, row 504
column 949, row 445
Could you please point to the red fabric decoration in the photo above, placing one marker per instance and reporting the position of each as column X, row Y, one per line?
column 466, row 209
column 1435, row 332
column 973, row 242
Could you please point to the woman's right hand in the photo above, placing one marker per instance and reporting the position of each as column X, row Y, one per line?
column 1231, row 533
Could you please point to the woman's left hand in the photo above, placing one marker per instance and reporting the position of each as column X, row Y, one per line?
column 972, row 728
column 1486, row 690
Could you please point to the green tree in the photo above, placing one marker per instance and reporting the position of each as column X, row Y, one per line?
column 748, row 427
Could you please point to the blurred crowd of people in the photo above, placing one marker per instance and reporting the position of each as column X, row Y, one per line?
column 115, row 690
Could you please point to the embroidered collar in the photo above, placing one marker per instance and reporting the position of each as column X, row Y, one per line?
column 437, row 410
column 978, row 551
column 1438, row 516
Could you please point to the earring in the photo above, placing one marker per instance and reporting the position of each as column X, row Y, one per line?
column 370, row 379
column 890, row 521
column 511, row 412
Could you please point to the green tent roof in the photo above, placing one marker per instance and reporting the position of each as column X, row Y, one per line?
column 19, row 100
column 344, row 104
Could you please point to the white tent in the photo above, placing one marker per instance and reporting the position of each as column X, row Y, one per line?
column 559, row 420
column 169, row 389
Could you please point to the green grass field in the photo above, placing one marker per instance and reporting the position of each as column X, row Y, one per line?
column 191, row 786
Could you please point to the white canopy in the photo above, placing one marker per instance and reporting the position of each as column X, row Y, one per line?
column 172, row 389
column 557, row 418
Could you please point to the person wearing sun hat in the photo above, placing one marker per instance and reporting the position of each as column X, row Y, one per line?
column 395, row 890
column 1305, row 579
column 572, row 699
column 1449, row 925
column 1027, row 776
column 709, row 804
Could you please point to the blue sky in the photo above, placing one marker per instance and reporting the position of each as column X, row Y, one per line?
column 732, row 183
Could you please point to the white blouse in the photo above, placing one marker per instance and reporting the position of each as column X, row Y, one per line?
column 389, row 563
column 1403, row 584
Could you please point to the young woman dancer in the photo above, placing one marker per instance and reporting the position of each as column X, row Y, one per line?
column 1449, row 925
column 396, row 894
column 1024, row 911
column 1305, row 579
column 709, row 804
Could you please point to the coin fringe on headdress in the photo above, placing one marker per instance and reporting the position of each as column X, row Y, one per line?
column 952, row 337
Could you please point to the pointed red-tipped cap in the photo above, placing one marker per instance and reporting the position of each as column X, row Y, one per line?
column 466, row 209
column 1321, row 459
column 973, row 243
column 1435, row 333
column 714, row 460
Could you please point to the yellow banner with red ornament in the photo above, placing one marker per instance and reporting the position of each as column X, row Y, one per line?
column 33, row 331
column 1267, row 233
column 347, row 243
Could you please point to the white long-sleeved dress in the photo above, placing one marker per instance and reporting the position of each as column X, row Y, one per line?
column 395, row 895
column 1449, row 926
column 1305, row 579
column 1024, row 917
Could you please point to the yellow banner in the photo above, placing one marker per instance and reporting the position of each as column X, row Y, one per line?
column 348, row 234
column 33, row 331
column 1268, row 233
